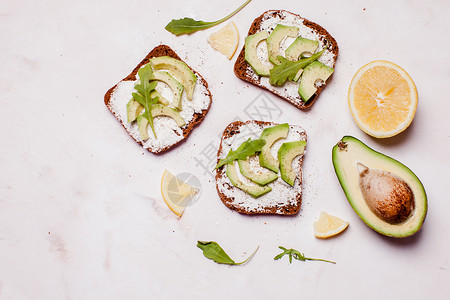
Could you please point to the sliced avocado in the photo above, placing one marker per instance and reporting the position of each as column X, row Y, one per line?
column 276, row 37
column 352, row 159
column 313, row 72
column 161, row 99
column 261, row 178
column 156, row 111
column 162, row 110
column 253, row 190
column 271, row 135
column 300, row 46
column 251, row 56
column 286, row 154
column 143, row 127
column 177, row 69
column 175, row 86
column 134, row 109
column 297, row 76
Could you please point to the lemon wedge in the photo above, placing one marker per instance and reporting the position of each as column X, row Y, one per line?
column 382, row 98
column 225, row 40
column 328, row 225
column 176, row 193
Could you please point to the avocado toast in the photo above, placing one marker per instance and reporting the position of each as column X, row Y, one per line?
column 160, row 112
column 269, row 191
column 281, row 33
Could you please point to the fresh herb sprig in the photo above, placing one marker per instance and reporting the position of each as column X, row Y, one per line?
column 213, row 251
column 144, row 88
column 297, row 255
column 287, row 69
column 245, row 150
column 189, row 25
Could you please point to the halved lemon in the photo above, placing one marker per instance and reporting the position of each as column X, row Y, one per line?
column 176, row 193
column 328, row 225
column 382, row 98
column 225, row 40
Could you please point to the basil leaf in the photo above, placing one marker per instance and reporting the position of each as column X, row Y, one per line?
column 189, row 25
column 246, row 149
column 287, row 69
column 213, row 251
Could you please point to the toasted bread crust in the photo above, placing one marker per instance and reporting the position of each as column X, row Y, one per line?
column 241, row 66
column 162, row 50
column 274, row 208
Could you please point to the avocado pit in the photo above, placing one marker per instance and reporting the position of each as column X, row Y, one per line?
column 389, row 197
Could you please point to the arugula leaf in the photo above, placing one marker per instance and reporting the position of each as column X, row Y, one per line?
column 288, row 69
column 213, row 251
column 189, row 25
column 144, row 88
column 246, row 149
column 297, row 255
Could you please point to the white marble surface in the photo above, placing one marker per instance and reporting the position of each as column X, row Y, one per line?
column 81, row 215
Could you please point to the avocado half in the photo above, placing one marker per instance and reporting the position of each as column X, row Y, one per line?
column 347, row 154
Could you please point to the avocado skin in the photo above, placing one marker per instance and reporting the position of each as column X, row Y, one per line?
column 350, row 148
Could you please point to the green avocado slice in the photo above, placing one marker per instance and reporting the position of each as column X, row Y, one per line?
column 261, row 178
column 300, row 46
column 156, row 111
column 177, row 69
column 310, row 75
column 175, row 86
column 253, row 190
column 276, row 37
column 347, row 155
column 271, row 135
column 286, row 154
column 251, row 56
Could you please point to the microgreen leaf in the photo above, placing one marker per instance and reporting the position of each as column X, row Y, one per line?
column 287, row 69
column 213, row 251
column 144, row 88
column 189, row 25
column 292, row 253
column 246, row 149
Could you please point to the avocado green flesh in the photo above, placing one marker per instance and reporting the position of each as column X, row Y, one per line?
column 260, row 177
column 251, row 56
column 177, row 69
column 143, row 127
column 350, row 151
column 300, row 46
column 175, row 86
column 134, row 109
column 253, row 190
column 276, row 37
column 271, row 135
column 161, row 99
column 158, row 110
column 286, row 155
column 161, row 110
column 310, row 75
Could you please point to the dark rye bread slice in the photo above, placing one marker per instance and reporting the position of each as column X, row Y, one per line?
column 197, row 117
column 244, row 71
column 283, row 199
